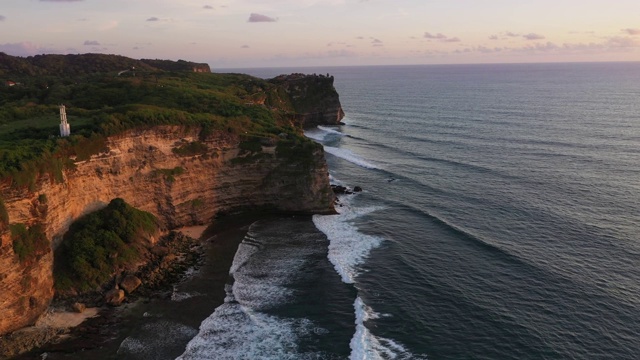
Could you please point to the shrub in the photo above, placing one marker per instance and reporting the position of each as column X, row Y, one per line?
column 191, row 149
column 28, row 243
column 98, row 244
column 4, row 216
column 170, row 174
column 251, row 146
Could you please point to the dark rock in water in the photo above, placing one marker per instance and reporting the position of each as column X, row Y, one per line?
column 114, row 297
column 78, row 307
column 337, row 189
column 130, row 283
column 357, row 189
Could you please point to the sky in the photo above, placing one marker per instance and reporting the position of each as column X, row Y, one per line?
column 285, row 33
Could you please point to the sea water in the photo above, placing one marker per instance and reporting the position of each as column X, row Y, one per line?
column 499, row 220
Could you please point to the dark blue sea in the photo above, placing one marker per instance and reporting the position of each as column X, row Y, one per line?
column 500, row 219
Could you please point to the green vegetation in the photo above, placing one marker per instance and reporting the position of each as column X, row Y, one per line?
column 42, row 198
column 251, row 146
column 297, row 150
column 98, row 244
column 170, row 174
column 191, row 149
column 100, row 103
column 28, row 243
column 197, row 203
column 4, row 216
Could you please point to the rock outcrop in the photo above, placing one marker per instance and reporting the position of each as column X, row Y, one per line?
column 142, row 167
column 314, row 98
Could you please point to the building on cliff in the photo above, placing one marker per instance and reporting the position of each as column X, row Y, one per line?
column 65, row 128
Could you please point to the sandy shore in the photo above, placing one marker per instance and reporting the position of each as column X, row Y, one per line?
column 193, row 231
column 65, row 319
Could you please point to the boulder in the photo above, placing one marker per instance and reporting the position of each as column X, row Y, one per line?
column 337, row 189
column 130, row 283
column 357, row 189
column 78, row 307
column 114, row 297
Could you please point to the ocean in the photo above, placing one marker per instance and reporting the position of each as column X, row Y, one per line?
column 499, row 219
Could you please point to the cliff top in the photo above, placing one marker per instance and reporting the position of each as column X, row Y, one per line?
column 83, row 64
column 100, row 102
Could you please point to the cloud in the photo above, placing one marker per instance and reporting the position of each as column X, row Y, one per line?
column 493, row 37
column 441, row 37
column 61, row 0
column 438, row 36
column 360, row 37
column 2, row 18
column 208, row 7
column 511, row 34
column 532, row 36
column 91, row 43
column 254, row 18
column 244, row 46
column 609, row 45
column 630, row 31
column 153, row 18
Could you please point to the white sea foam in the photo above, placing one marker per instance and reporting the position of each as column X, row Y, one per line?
column 316, row 134
column 348, row 247
column 153, row 336
column 178, row 296
column 350, row 156
column 239, row 329
column 366, row 346
column 237, row 332
column 331, row 131
column 321, row 133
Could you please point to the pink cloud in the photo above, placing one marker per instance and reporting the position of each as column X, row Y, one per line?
column 630, row 31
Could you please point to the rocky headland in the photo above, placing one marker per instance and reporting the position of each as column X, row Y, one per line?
column 184, row 174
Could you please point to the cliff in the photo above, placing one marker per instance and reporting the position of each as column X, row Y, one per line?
column 313, row 97
column 145, row 167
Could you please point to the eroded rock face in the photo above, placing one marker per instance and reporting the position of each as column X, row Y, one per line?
column 313, row 97
column 138, row 168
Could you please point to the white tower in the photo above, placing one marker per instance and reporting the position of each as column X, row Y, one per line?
column 65, row 128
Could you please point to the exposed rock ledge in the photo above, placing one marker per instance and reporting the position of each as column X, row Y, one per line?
column 211, row 184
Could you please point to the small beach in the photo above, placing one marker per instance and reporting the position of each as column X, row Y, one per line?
column 157, row 326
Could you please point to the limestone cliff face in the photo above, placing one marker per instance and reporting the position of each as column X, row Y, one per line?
column 314, row 98
column 142, row 168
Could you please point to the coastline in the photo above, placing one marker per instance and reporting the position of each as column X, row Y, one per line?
column 98, row 333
